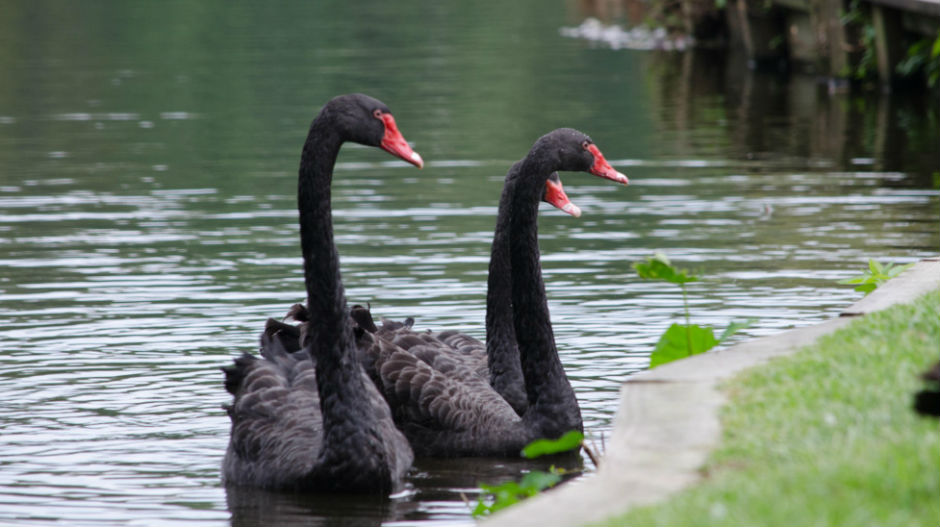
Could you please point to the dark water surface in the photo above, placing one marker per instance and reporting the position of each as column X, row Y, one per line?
column 148, row 158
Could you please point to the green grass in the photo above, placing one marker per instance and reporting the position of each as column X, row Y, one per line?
column 826, row 436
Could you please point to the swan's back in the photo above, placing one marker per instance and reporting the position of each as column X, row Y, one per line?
column 446, row 349
column 276, row 421
column 445, row 408
column 277, row 433
column 438, row 390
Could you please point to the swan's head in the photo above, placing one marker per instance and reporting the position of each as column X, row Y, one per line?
column 569, row 149
column 554, row 195
column 366, row 120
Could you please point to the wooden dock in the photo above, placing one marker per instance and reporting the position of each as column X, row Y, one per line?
column 814, row 33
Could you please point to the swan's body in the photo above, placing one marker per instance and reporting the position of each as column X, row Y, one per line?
column 311, row 419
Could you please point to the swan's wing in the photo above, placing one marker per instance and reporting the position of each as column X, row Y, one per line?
column 362, row 316
column 439, row 353
column 289, row 337
column 472, row 350
column 276, row 421
column 453, row 339
column 461, row 341
column 445, row 409
column 508, row 383
column 440, row 350
column 292, row 336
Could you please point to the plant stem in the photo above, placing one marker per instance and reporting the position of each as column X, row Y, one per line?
column 685, row 303
column 688, row 324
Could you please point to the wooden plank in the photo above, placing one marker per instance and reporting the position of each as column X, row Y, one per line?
column 831, row 14
column 923, row 7
column 796, row 5
column 887, row 24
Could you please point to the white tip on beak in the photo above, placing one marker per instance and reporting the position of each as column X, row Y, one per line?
column 416, row 159
column 572, row 209
column 622, row 178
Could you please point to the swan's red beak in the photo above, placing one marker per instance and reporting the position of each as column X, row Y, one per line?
column 602, row 168
column 394, row 143
column 555, row 196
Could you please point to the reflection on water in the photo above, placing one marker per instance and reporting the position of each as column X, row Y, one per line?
column 148, row 225
column 438, row 491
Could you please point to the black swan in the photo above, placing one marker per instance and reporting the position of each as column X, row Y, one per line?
column 320, row 424
column 441, row 402
column 497, row 359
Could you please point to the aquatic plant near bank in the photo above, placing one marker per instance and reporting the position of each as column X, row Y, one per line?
column 497, row 497
column 923, row 58
column 681, row 340
column 876, row 275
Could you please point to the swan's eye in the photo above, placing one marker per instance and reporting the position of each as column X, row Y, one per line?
column 585, row 144
column 377, row 113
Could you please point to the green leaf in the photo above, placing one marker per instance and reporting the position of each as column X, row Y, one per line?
column 511, row 492
column 894, row 270
column 855, row 280
column 481, row 509
column 542, row 447
column 536, row 481
column 657, row 267
column 876, row 275
column 734, row 327
column 680, row 341
column 508, row 493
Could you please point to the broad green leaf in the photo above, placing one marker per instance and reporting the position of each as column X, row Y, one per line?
column 734, row 327
column 503, row 496
column 508, row 492
column 854, row 280
column 537, row 480
column 876, row 275
column 657, row 267
column 511, row 492
column 680, row 341
column 542, row 447
column 481, row 509
column 894, row 270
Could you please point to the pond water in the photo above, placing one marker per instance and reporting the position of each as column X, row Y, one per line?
column 148, row 159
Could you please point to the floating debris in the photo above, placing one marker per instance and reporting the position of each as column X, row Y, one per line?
column 639, row 37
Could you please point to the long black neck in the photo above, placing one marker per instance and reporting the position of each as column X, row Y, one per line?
column 326, row 301
column 343, row 401
column 553, row 407
column 502, row 354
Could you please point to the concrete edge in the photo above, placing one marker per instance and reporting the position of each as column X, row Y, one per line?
column 667, row 421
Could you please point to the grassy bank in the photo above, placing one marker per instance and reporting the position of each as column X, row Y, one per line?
column 826, row 436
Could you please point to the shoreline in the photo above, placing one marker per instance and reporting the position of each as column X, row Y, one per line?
column 667, row 422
